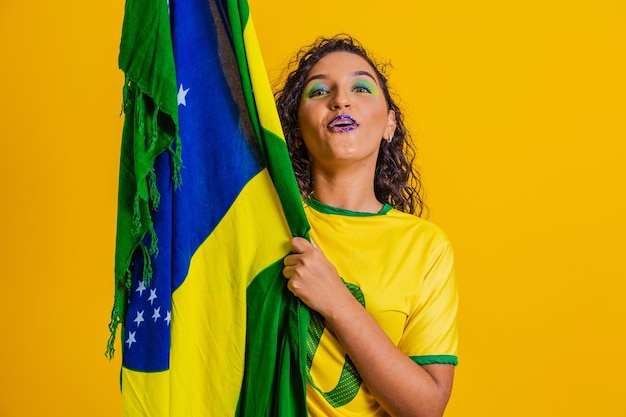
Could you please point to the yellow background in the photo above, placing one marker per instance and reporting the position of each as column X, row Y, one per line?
column 518, row 110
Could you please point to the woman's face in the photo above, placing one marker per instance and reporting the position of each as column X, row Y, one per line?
column 343, row 112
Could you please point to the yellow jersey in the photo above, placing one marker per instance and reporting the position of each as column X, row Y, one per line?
column 400, row 267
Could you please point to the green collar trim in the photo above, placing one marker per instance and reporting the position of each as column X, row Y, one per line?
column 324, row 208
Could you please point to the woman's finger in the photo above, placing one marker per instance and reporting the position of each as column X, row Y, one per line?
column 290, row 260
column 299, row 244
column 289, row 272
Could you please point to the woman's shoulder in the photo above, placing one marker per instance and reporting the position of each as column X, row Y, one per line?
column 419, row 227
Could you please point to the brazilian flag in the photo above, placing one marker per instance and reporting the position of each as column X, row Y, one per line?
column 207, row 205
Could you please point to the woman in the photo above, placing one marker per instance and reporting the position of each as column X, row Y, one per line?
column 381, row 278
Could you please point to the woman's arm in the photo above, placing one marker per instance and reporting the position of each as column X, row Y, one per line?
column 401, row 386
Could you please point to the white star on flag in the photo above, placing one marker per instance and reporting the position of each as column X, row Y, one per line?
column 156, row 314
column 153, row 296
column 140, row 288
column 131, row 339
column 139, row 318
column 182, row 93
column 168, row 317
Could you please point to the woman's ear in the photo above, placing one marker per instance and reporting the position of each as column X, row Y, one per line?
column 390, row 129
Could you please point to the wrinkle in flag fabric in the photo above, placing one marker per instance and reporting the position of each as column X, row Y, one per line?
column 207, row 206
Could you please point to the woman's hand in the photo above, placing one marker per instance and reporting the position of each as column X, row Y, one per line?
column 312, row 277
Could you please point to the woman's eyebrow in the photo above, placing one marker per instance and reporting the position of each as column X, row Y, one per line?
column 352, row 74
column 360, row 73
column 316, row 77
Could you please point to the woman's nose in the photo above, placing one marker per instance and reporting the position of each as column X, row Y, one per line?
column 341, row 100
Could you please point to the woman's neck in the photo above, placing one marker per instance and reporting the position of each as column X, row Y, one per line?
column 349, row 191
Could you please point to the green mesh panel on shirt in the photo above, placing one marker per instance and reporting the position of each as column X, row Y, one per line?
column 350, row 381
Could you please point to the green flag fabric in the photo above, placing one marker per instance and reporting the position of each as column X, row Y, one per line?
column 207, row 205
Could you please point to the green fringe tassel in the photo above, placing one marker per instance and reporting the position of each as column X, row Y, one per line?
column 153, row 138
column 139, row 111
column 143, row 109
column 155, row 196
column 137, row 224
column 177, row 163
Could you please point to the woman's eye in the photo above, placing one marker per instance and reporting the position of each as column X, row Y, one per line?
column 318, row 93
column 361, row 89
column 364, row 87
column 316, row 90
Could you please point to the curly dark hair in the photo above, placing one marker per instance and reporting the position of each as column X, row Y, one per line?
column 396, row 180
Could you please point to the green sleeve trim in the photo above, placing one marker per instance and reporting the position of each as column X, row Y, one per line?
column 435, row 359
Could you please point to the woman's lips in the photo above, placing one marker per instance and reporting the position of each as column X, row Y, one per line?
column 342, row 123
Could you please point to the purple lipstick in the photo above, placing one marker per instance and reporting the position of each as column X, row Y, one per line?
column 342, row 123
